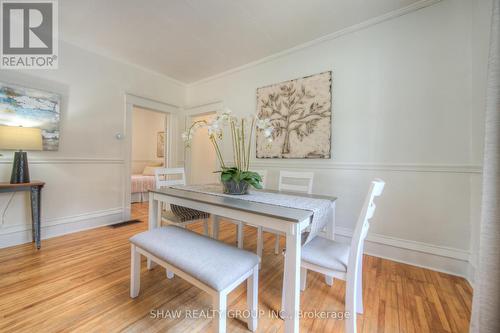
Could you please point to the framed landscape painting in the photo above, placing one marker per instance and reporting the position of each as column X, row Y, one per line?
column 28, row 107
column 301, row 115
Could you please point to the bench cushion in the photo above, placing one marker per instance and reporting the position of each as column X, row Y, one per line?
column 214, row 263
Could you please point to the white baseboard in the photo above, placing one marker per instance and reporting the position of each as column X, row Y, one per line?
column 438, row 258
column 20, row 234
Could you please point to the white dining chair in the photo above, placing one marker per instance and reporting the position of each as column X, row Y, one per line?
column 178, row 215
column 289, row 181
column 343, row 261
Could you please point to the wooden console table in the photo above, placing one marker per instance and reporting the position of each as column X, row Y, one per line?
column 35, row 188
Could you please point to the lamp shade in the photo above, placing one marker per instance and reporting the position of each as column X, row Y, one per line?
column 20, row 138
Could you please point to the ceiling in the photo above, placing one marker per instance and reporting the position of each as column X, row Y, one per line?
column 192, row 39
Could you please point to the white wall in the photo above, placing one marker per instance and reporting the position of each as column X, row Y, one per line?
column 85, row 177
column 480, row 36
column 202, row 158
column 145, row 127
column 408, row 102
column 404, row 110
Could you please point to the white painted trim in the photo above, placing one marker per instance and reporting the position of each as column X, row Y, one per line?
column 204, row 108
column 289, row 164
column 147, row 161
column 57, row 226
column 12, row 228
column 435, row 257
column 422, row 247
column 69, row 160
column 170, row 110
column 360, row 26
column 127, row 63
column 151, row 104
column 330, row 165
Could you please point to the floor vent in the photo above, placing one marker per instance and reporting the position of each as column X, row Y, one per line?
column 125, row 223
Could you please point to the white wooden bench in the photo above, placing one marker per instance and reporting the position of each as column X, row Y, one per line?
column 212, row 266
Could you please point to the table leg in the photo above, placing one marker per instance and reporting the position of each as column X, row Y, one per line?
column 291, row 281
column 215, row 226
column 260, row 244
column 239, row 234
column 161, row 207
column 36, row 193
column 330, row 234
column 153, row 220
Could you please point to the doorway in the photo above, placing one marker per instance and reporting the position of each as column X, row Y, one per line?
column 149, row 128
column 147, row 151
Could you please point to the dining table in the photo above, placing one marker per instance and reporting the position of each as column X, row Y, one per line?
column 279, row 216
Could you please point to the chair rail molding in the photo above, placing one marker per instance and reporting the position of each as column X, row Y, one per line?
column 308, row 164
column 69, row 160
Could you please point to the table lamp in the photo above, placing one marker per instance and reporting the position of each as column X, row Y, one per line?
column 20, row 138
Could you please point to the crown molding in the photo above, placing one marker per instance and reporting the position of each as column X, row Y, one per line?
column 126, row 63
column 360, row 26
column 365, row 24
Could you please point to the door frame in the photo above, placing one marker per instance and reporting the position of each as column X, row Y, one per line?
column 172, row 113
column 194, row 111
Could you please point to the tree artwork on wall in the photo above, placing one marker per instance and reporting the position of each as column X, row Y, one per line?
column 300, row 113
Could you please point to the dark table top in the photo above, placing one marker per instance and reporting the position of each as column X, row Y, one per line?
column 238, row 203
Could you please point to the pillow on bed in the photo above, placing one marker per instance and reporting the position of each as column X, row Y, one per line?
column 155, row 164
column 149, row 171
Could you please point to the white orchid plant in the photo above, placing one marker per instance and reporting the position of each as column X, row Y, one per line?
column 242, row 130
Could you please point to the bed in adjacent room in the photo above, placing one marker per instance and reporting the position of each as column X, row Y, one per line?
column 140, row 186
column 142, row 183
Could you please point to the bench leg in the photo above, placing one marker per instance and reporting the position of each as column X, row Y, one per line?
column 240, row 234
column 220, row 308
column 260, row 244
column 253, row 299
column 135, row 272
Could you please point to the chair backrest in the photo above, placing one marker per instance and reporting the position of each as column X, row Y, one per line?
column 354, row 268
column 263, row 175
column 363, row 223
column 306, row 177
column 162, row 177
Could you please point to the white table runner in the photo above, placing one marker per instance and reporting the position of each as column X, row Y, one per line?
column 321, row 208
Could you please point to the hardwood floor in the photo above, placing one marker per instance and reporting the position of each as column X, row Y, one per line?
column 80, row 282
